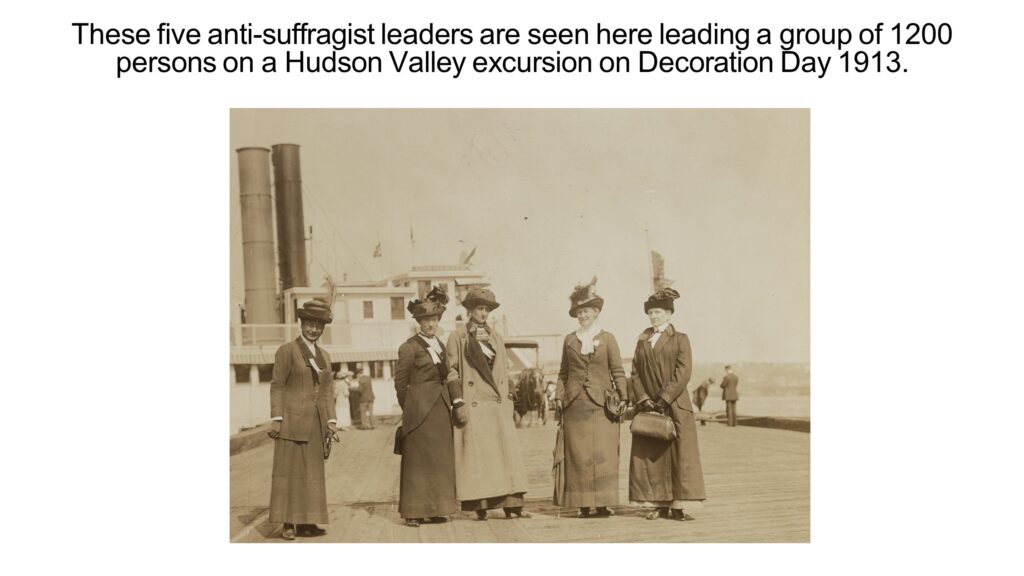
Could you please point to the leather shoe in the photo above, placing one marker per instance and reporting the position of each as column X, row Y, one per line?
column 604, row 512
column 681, row 516
column 516, row 512
column 438, row 519
column 289, row 532
column 310, row 531
column 481, row 514
column 412, row 522
column 584, row 513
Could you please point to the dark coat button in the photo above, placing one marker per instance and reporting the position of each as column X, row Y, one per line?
column 474, row 404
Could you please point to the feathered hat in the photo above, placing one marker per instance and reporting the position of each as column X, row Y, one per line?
column 662, row 299
column 319, row 309
column 431, row 305
column 585, row 296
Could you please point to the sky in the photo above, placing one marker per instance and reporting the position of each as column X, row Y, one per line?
column 551, row 198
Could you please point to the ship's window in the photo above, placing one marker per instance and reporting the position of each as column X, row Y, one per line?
column 368, row 309
column 397, row 308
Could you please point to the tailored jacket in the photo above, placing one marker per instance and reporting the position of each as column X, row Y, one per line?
column 729, row 384
column 590, row 374
column 296, row 396
column 488, row 461
column 664, row 369
column 419, row 383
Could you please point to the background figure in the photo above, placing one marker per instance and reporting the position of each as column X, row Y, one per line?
column 729, row 394
column 489, row 470
column 341, row 405
column 366, row 399
column 591, row 369
column 665, row 475
column 354, row 400
column 429, row 403
column 302, row 415
column 700, row 395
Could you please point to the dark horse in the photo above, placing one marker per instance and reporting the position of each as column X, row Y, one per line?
column 530, row 400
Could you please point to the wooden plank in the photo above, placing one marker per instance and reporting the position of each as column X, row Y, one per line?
column 758, row 484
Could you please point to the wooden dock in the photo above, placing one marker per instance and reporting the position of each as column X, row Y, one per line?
column 758, row 486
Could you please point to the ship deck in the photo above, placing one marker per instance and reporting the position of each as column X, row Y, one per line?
column 757, row 479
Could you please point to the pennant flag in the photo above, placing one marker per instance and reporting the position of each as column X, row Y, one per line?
column 376, row 251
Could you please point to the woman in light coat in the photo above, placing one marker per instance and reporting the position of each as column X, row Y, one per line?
column 489, row 469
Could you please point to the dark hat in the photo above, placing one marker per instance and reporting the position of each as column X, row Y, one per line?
column 479, row 297
column 316, row 310
column 662, row 299
column 432, row 305
column 585, row 296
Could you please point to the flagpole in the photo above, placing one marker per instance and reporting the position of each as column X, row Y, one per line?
column 380, row 257
column 650, row 259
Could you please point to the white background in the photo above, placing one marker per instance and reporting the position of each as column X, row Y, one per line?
column 115, row 245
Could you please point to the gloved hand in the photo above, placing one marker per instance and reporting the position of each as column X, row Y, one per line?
column 662, row 406
column 460, row 416
column 275, row 425
column 646, row 406
column 332, row 427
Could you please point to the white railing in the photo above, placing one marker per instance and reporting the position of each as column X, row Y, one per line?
column 362, row 335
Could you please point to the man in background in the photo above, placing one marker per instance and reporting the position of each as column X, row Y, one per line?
column 366, row 401
column 729, row 394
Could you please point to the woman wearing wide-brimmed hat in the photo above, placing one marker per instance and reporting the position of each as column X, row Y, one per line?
column 591, row 385
column 665, row 475
column 303, row 416
column 489, row 470
column 429, row 404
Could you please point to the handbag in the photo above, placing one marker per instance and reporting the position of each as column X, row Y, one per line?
column 398, row 440
column 331, row 437
column 653, row 425
column 613, row 405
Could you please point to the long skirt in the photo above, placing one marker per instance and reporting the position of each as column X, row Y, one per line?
column 591, row 456
column 342, row 409
column 298, row 493
column 427, row 485
column 667, row 473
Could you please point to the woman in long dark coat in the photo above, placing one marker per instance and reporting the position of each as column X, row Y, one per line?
column 427, row 485
column 591, row 370
column 665, row 476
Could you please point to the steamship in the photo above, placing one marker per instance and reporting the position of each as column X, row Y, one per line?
column 370, row 320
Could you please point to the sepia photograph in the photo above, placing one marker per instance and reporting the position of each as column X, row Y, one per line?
column 519, row 325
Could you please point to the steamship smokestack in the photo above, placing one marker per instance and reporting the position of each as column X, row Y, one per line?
column 291, row 243
column 257, row 236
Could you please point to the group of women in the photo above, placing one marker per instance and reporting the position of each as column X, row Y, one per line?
column 665, row 476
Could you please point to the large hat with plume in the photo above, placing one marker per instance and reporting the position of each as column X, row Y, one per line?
column 431, row 305
column 585, row 296
column 319, row 309
column 662, row 299
column 479, row 297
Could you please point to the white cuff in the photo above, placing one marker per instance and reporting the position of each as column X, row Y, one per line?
column 278, row 418
column 458, row 401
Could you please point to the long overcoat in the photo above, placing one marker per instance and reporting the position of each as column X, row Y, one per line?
column 665, row 471
column 729, row 384
column 488, row 461
column 296, row 397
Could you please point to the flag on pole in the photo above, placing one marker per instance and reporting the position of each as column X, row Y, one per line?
column 376, row 250
column 411, row 237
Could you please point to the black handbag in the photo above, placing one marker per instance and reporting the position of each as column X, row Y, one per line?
column 614, row 406
column 653, row 425
column 398, row 440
